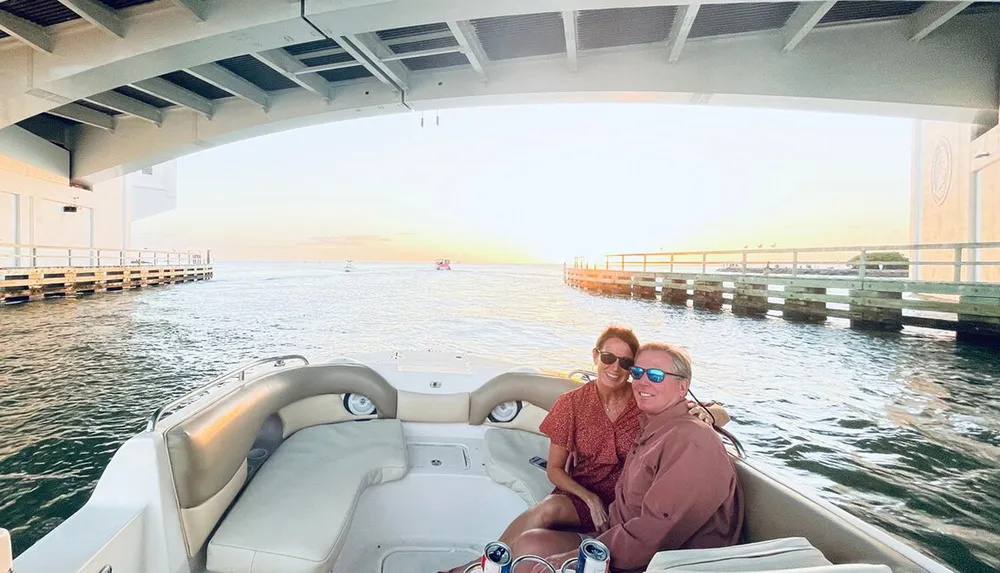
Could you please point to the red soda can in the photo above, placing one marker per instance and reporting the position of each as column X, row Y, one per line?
column 594, row 557
column 496, row 558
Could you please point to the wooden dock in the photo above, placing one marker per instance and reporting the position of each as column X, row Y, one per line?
column 871, row 295
column 84, row 271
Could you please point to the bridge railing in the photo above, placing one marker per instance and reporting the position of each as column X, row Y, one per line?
column 35, row 255
column 958, row 262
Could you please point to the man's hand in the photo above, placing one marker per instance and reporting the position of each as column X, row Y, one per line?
column 598, row 513
column 556, row 561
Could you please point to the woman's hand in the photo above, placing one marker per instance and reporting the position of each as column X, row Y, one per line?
column 697, row 411
column 598, row 513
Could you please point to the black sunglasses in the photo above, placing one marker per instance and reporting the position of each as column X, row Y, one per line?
column 609, row 359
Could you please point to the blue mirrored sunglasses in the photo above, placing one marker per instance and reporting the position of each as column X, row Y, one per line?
column 655, row 375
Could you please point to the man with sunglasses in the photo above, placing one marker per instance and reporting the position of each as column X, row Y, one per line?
column 678, row 488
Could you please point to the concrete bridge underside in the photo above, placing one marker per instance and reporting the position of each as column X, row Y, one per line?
column 120, row 85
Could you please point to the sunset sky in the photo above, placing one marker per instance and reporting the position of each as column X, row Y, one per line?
column 543, row 184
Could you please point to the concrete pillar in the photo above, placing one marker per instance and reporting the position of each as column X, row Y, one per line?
column 979, row 320
column 803, row 310
column 675, row 292
column 750, row 299
column 867, row 317
column 708, row 295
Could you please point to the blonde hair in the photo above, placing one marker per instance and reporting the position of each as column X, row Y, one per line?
column 680, row 356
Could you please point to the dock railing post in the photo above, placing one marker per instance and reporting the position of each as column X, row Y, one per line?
column 644, row 263
column 862, row 264
column 34, row 256
column 671, row 262
column 795, row 263
column 623, row 262
column 69, row 257
column 958, row 264
column 704, row 263
column 744, row 262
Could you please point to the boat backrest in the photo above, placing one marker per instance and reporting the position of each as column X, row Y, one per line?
column 536, row 391
column 207, row 448
column 775, row 510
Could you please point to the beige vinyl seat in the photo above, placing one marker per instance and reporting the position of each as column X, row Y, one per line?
column 508, row 455
column 293, row 516
column 511, row 445
column 790, row 554
column 786, row 553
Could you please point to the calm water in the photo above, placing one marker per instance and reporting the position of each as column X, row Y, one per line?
column 901, row 430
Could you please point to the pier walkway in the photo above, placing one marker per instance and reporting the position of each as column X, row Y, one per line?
column 39, row 272
column 954, row 286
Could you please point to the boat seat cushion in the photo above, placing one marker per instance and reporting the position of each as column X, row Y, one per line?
column 508, row 462
column 842, row 568
column 293, row 516
column 775, row 554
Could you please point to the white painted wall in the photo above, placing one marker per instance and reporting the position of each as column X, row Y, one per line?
column 31, row 212
column 112, row 225
column 152, row 190
column 8, row 217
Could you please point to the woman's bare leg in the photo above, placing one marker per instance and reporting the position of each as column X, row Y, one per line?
column 544, row 543
column 552, row 511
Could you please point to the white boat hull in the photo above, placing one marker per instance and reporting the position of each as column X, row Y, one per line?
column 452, row 497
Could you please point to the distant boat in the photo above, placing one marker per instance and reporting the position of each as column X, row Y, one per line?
column 442, row 265
column 348, row 266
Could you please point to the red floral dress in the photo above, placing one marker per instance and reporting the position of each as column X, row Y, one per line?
column 597, row 445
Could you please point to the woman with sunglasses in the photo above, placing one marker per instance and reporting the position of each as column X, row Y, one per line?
column 591, row 430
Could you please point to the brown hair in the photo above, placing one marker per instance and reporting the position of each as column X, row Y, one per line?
column 621, row 333
column 681, row 358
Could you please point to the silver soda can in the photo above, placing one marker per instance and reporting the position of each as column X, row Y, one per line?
column 594, row 557
column 496, row 558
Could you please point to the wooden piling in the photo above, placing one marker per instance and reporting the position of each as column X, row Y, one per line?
column 644, row 286
column 750, row 299
column 978, row 319
column 867, row 315
column 708, row 295
column 675, row 291
column 801, row 305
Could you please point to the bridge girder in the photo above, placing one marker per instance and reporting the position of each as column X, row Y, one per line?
column 936, row 63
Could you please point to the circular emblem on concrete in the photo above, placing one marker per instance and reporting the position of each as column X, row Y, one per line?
column 941, row 170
